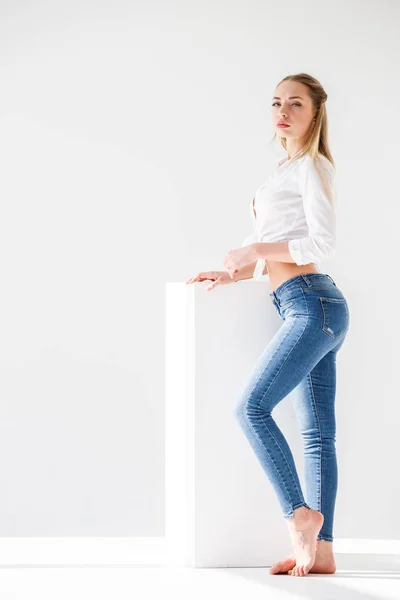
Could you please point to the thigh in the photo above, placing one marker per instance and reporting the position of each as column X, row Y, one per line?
column 295, row 349
column 314, row 399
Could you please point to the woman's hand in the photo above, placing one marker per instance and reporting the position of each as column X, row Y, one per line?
column 237, row 259
column 217, row 277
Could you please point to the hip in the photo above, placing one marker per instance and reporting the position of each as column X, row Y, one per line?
column 316, row 301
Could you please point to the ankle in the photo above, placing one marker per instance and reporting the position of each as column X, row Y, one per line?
column 324, row 548
column 300, row 514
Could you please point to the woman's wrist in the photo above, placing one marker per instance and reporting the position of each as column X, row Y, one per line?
column 259, row 250
column 245, row 272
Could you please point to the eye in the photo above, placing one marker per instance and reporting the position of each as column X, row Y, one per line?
column 294, row 104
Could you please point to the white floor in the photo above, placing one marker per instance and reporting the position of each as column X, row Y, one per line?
column 122, row 568
column 363, row 582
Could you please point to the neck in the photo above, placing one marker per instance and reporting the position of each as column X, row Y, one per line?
column 293, row 147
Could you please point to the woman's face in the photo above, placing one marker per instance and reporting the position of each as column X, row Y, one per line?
column 292, row 105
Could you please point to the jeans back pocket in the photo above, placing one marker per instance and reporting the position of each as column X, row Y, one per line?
column 336, row 316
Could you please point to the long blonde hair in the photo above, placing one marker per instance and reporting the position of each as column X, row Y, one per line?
column 317, row 141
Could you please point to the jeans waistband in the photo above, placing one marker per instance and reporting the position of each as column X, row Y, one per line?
column 306, row 280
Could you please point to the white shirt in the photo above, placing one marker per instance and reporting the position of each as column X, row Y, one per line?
column 297, row 204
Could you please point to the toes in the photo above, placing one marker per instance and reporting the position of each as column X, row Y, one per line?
column 274, row 569
column 299, row 571
column 282, row 566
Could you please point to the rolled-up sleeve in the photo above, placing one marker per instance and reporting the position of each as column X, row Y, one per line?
column 318, row 190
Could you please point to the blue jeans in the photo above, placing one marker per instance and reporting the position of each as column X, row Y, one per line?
column 302, row 355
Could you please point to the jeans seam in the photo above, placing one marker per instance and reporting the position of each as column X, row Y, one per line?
column 316, row 413
column 320, row 438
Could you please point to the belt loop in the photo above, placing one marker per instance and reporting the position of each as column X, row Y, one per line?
column 306, row 280
column 331, row 279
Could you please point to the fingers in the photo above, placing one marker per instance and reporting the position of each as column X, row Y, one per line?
column 201, row 277
column 213, row 276
column 193, row 279
column 214, row 284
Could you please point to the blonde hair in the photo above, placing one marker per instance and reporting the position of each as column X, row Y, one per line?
column 317, row 139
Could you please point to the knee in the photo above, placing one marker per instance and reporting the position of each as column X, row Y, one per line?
column 242, row 408
column 251, row 408
column 317, row 440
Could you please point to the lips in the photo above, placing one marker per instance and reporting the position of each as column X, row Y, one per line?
column 283, row 125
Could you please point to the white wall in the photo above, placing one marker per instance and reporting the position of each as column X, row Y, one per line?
column 132, row 137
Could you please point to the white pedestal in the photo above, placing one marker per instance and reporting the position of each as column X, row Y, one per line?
column 221, row 510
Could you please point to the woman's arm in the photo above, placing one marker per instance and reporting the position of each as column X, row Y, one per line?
column 247, row 271
column 276, row 251
column 318, row 190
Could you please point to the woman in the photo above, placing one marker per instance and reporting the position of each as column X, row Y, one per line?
column 294, row 228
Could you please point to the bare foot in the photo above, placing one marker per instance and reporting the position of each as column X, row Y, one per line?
column 324, row 561
column 284, row 565
column 304, row 528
